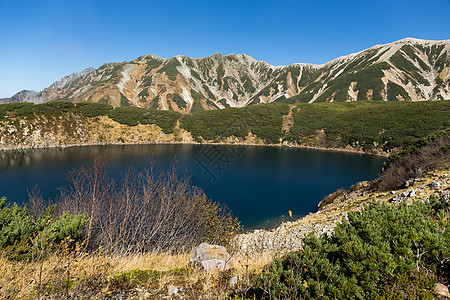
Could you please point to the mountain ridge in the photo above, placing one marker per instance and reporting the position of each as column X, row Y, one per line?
column 408, row 69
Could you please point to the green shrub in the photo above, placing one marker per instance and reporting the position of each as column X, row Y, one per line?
column 382, row 252
column 15, row 224
column 90, row 109
column 19, row 109
column 133, row 116
column 264, row 120
column 388, row 124
column 61, row 105
column 18, row 229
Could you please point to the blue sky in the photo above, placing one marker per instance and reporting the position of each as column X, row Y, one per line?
column 44, row 40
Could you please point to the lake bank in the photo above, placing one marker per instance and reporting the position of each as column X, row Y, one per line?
column 72, row 130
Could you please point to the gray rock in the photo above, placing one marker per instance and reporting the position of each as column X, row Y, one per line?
column 405, row 194
column 435, row 184
column 211, row 257
column 173, row 290
column 233, row 281
column 212, row 264
column 120, row 296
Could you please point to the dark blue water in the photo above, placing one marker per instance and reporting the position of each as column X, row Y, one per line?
column 257, row 183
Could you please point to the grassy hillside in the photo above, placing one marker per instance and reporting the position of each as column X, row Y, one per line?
column 364, row 125
column 371, row 126
column 368, row 124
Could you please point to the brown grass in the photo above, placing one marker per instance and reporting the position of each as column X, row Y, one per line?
column 98, row 276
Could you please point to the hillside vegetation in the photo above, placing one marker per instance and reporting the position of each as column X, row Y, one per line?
column 370, row 126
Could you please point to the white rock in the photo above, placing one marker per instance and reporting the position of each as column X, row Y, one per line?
column 233, row 281
column 173, row 290
column 212, row 264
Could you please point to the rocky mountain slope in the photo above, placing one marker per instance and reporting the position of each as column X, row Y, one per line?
column 409, row 69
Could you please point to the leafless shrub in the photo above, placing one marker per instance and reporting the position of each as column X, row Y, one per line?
column 427, row 158
column 36, row 203
column 330, row 198
column 149, row 211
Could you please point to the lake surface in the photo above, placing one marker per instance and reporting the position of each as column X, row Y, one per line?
column 259, row 184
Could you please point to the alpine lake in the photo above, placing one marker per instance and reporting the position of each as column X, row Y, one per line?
column 259, row 184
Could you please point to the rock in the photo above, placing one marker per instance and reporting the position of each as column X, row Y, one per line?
column 233, row 281
column 173, row 290
column 211, row 264
column 412, row 193
column 435, row 184
column 120, row 296
column 442, row 290
column 211, row 257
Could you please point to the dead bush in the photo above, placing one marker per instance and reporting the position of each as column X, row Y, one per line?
column 148, row 211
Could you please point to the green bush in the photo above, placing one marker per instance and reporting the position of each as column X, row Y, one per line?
column 382, row 252
column 15, row 224
column 90, row 109
column 18, row 229
column 388, row 124
column 19, row 109
column 264, row 120
column 62, row 105
column 133, row 116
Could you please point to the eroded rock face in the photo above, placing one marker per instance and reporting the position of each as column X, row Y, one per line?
column 211, row 257
column 409, row 69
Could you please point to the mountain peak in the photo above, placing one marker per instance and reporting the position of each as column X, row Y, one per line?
column 408, row 69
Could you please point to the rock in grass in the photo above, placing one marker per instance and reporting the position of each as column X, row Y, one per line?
column 442, row 290
column 211, row 257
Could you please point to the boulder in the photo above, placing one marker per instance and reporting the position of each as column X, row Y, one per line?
column 233, row 281
column 435, row 184
column 173, row 290
column 211, row 257
column 442, row 290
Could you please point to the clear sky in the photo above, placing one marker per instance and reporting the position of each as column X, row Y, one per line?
column 43, row 40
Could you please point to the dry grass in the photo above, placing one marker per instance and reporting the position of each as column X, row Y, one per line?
column 157, row 262
column 138, row 276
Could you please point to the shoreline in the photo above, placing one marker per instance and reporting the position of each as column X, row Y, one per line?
column 333, row 149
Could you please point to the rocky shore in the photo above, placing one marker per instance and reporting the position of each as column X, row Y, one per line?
column 288, row 236
column 72, row 130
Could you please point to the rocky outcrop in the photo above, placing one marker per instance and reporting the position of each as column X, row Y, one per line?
column 75, row 130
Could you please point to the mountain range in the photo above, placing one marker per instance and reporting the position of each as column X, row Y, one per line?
column 405, row 70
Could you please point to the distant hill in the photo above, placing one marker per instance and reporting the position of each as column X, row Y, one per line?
column 406, row 70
